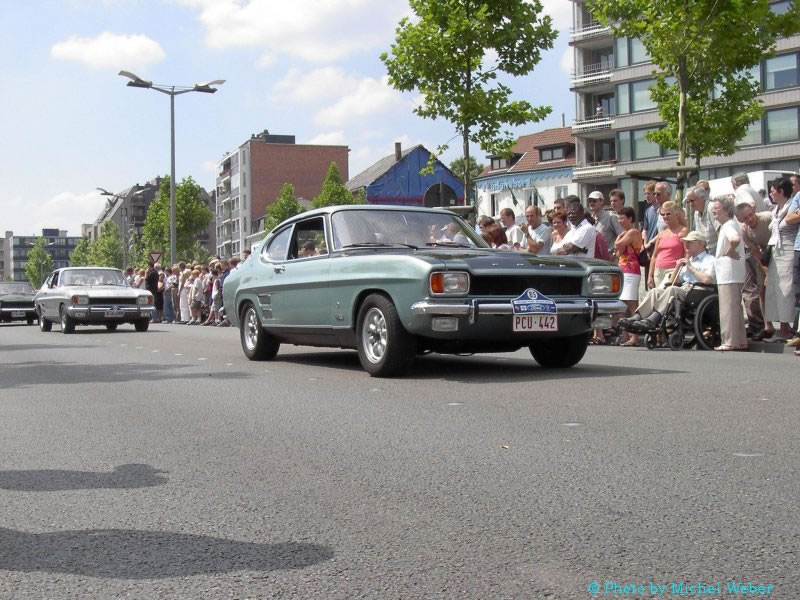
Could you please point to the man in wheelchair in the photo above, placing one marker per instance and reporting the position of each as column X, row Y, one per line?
column 697, row 268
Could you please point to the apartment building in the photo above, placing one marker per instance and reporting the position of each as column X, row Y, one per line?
column 614, row 111
column 16, row 249
column 250, row 178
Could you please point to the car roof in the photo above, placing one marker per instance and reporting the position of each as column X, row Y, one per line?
column 326, row 210
column 88, row 267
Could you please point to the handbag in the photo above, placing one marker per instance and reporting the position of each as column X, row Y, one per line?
column 644, row 258
column 766, row 256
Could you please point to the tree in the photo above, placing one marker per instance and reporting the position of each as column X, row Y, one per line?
column 80, row 255
column 284, row 207
column 106, row 250
column 334, row 192
column 39, row 264
column 442, row 53
column 191, row 216
column 706, row 45
column 457, row 167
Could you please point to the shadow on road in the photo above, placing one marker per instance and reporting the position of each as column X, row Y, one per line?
column 137, row 554
column 26, row 374
column 23, row 347
column 475, row 369
column 55, row 480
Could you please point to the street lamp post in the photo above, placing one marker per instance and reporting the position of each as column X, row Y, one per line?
column 123, row 219
column 171, row 91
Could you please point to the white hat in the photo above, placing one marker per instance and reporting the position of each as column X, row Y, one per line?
column 597, row 195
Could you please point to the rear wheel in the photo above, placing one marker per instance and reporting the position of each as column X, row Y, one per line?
column 706, row 323
column 560, row 353
column 30, row 320
column 67, row 322
column 141, row 325
column 257, row 344
column 111, row 326
column 385, row 348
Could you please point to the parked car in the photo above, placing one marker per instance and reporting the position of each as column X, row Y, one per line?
column 396, row 282
column 16, row 302
column 91, row 296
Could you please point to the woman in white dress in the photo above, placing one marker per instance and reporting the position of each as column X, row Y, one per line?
column 779, row 301
column 186, row 314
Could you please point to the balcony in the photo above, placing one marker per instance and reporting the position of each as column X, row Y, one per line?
column 591, row 30
column 592, row 74
column 224, row 174
column 595, row 123
column 593, row 170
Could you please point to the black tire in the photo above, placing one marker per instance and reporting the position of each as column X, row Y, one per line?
column 44, row 324
column 257, row 344
column 560, row 353
column 651, row 341
column 111, row 326
column 30, row 320
column 676, row 340
column 67, row 322
column 141, row 325
column 385, row 348
column 706, row 323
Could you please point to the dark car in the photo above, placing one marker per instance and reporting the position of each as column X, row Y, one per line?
column 16, row 302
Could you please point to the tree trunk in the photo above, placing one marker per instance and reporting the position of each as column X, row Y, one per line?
column 683, row 83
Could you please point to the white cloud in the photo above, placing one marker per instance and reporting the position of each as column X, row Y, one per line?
column 560, row 11
column 370, row 97
column 110, row 50
column 326, row 82
column 314, row 30
column 266, row 60
column 209, row 166
column 567, row 61
column 66, row 210
column 331, row 138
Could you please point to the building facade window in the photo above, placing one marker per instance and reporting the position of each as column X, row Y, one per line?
column 780, row 8
column 780, row 72
column 493, row 204
column 562, row 191
column 633, row 145
column 551, row 154
column 635, row 97
column 629, row 51
column 782, row 125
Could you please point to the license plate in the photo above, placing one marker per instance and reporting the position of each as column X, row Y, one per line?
column 115, row 313
column 535, row 323
column 18, row 313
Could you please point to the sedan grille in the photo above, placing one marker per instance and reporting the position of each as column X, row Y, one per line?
column 16, row 303
column 112, row 301
column 514, row 286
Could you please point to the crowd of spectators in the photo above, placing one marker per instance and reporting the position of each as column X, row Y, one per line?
column 747, row 244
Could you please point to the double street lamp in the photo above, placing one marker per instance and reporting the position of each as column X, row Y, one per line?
column 123, row 220
column 171, row 91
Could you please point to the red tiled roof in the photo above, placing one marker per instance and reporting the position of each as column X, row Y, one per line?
column 528, row 145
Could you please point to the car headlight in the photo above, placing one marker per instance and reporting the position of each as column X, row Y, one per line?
column 80, row 299
column 148, row 299
column 449, row 283
column 604, row 283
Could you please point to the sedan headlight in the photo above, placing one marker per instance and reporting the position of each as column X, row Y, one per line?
column 604, row 283
column 80, row 299
column 449, row 283
column 148, row 299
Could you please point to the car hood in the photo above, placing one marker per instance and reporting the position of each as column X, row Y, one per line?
column 105, row 291
column 485, row 260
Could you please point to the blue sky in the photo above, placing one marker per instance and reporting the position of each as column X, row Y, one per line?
column 306, row 67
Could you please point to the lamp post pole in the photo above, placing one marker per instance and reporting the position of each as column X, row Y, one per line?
column 171, row 91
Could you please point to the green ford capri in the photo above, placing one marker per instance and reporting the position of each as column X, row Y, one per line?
column 395, row 282
column 16, row 302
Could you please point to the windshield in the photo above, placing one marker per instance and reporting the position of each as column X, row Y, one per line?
column 23, row 287
column 93, row 277
column 381, row 228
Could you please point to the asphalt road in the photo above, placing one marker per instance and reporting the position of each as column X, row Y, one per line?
column 166, row 465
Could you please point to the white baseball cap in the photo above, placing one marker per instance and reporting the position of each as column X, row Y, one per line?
column 597, row 195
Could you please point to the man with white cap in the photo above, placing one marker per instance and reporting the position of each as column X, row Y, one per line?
column 697, row 268
column 605, row 223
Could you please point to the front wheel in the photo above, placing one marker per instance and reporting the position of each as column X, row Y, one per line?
column 67, row 322
column 560, row 353
column 111, row 326
column 385, row 348
column 141, row 325
column 44, row 324
column 257, row 344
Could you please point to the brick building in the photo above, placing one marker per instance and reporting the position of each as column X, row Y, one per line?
column 250, row 178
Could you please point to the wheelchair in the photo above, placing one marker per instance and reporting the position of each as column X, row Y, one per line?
column 695, row 321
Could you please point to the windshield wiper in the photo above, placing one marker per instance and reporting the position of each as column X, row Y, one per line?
column 380, row 245
column 449, row 244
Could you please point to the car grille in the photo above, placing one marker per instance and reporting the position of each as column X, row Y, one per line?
column 112, row 301
column 16, row 304
column 514, row 286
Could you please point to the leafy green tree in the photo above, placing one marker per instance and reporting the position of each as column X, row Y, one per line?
column 191, row 216
column 106, row 250
column 284, row 207
column 39, row 264
column 453, row 51
column 334, row 192
column 80, row 255
column 457, row 167
column 197, row 254
column 705, row 45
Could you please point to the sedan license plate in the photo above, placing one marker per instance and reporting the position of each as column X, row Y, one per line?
column 115, row 313
column 18, row 313
column 535, row 323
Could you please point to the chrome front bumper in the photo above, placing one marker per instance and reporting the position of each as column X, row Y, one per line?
column 94, row 312
column 472, row 308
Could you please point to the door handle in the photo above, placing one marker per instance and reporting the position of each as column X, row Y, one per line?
column 279, row 269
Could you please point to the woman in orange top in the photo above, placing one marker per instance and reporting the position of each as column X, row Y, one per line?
column 627, row 247
column 668, row 248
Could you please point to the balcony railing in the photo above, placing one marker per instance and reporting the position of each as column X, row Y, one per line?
column 590, row 30
column 597, row 122
column 589, row 74
column 594, row 169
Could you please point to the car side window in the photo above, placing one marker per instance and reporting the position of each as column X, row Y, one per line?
column 54, row 283
column 308, row 239
column 276, row 250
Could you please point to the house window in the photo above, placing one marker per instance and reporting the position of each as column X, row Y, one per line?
column 635, row 97
column 493, row 204
column 753, row 135
column 632, row 145
column 562, row 191
column 780, row 8
column 780, row 72
column 499, row 163
column 629, row 51
column 782, row 125
column 551, row 154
